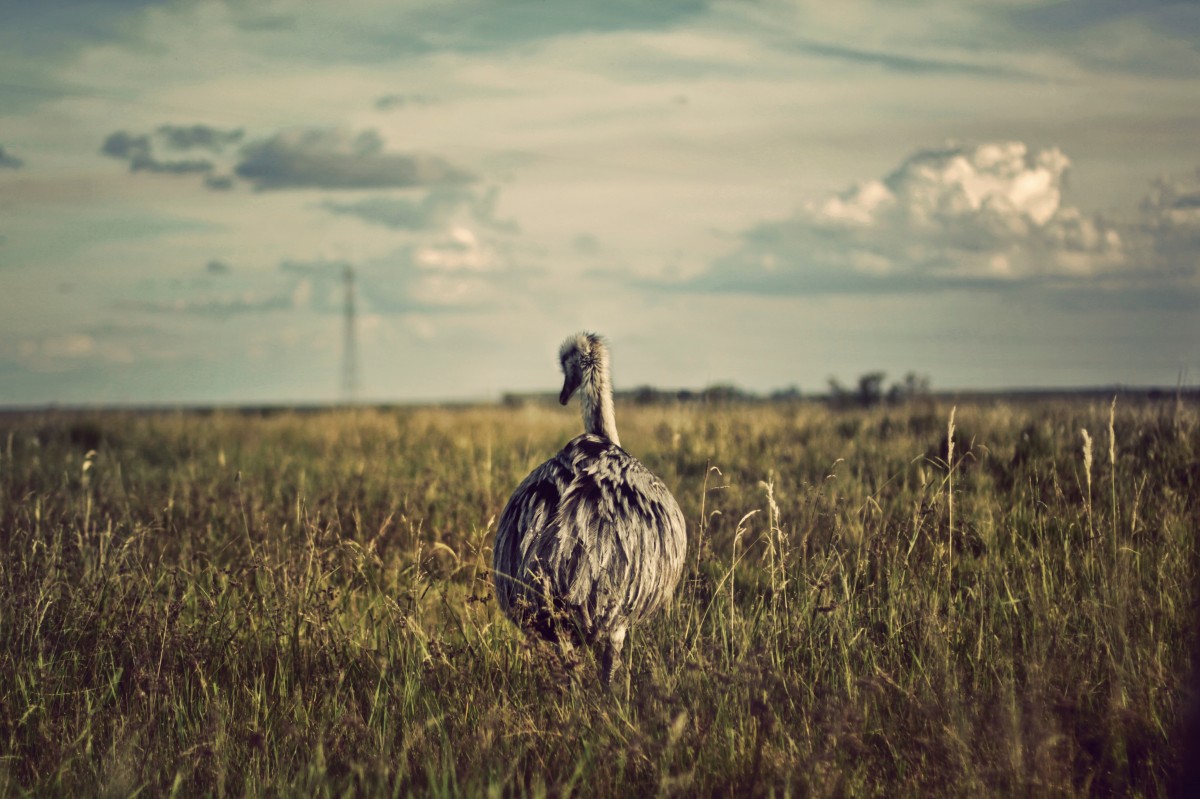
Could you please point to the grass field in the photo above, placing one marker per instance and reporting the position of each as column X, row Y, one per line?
column 300, row 604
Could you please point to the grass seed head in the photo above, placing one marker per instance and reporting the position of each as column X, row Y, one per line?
column 1112, row 435
column 1087, row 454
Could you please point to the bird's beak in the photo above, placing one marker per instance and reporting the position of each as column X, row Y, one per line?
column 568, row 389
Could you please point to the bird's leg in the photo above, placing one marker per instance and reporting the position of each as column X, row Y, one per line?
column 610, row 660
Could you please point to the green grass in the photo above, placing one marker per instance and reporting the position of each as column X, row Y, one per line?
column 300, row 604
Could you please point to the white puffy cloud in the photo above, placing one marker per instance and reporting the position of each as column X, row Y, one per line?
column 459, row 250
column 457, row 254
column 992, row 210
column 985, row 214
column 456, row 269
column 442, row 270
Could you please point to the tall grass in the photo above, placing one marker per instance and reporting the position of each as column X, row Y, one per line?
column 301, row 604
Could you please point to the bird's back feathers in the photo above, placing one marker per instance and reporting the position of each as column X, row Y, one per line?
column 591, row 541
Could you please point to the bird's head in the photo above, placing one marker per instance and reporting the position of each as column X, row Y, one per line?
column 579, row 355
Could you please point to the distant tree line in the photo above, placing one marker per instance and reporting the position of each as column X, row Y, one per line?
column 871, row 390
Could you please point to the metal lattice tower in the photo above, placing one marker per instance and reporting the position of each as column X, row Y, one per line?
column 350, row 380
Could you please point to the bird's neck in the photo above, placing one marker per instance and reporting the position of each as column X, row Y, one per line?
column 597, row 404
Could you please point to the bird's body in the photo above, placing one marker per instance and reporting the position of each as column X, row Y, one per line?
column 591, row 542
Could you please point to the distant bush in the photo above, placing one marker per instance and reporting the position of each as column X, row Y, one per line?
column 869, row 391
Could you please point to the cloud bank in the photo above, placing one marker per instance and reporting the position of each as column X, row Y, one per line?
column 143, row 150
column 220, row 306
column 188, row 137
column 338, row 159
column 308, row 158
column 8, row 160
column 962, row 216
column 1171, row 218
column 440, row 207
column 398, row 100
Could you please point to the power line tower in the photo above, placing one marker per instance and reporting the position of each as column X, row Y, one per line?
column 350, row 381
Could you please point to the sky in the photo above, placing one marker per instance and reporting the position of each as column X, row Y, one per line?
column 764, row 193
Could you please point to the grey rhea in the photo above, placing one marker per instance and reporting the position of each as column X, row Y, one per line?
column 591, row 542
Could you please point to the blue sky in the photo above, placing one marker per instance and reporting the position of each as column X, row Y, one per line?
column 767, row 193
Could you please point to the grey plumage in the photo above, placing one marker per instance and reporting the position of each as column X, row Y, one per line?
column 591, row 542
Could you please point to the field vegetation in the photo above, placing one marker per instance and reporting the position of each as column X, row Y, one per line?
column 911, row 601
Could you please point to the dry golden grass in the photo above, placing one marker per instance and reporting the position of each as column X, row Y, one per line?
column 300, row 604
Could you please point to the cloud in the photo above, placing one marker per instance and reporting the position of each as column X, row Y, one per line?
column 125, row 146
column 306, row 158
column 142, row 150
column 337, row 159
column 438, row 208
column 253, row 19
column 58, row 352
column 460, row 250
column 454, row 270
column 205, row 137
column 444, row 280
column 897, row 62
column 1171, row 221
column 482, row 27
column 314, row 285
column 223, row 294
column 220, row 306
column 400, row 213
column 458, row 254
column 586, row 244
column 446, row 271
column 988, row 215
column 100, row 346
column 1173, row 208
column 189, row 166
column 318, row 267
column 396, row 101
column 1153, row 38
column 8, row 160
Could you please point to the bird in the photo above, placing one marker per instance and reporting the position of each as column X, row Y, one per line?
column 591, row 542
